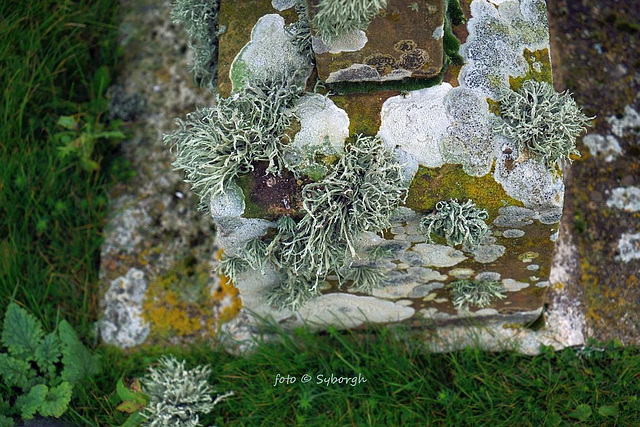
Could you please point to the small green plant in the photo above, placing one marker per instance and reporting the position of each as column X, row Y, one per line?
column 133, row 401
column 335, row 18
column 81, row 133
column 458, row 223
column 542, row 121
column 200, row 18
column 479, row 293
column 177, row 395
column 217, row 144
column 40, row 369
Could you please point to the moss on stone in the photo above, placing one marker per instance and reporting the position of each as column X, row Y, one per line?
column 430, row 185
column 544, row 74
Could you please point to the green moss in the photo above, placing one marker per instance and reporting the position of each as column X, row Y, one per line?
column 246, row 183
column 544, row 75
column 450, row 42
column 363, row 111
column 430, row 185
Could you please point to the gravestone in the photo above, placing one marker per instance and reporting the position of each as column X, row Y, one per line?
column 439, row 122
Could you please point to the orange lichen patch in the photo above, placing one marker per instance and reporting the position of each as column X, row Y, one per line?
column 179, row 303
column 226, row 289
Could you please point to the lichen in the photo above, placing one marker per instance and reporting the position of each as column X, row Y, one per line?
column 457, row 223
column 335, row 18
column 542, row 122
column 479, row 293
column 217, row 144
column 200, row 18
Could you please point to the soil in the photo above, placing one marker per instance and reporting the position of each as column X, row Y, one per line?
column 595, row 56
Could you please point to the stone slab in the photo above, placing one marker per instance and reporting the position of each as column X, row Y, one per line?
column 403, row 40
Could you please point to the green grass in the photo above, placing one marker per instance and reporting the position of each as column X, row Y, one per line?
column 51, row 214
column 51, row 208
column 405, row 386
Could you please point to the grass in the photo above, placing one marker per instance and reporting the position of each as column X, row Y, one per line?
column 51, row 214
column 404, row 385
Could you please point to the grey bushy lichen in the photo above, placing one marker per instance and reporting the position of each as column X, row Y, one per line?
column 479, row 293
column 358, row 194
column 365, row 278
column 200, row 18
column 300, row 31
column 335, row 18
column 542, row 121
column 217, row 144
column 177, row 395
column 458, row 223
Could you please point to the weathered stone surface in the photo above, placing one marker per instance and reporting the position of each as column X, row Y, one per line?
column 158, row 249
column 404, row 40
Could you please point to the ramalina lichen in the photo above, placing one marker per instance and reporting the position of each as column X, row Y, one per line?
column 358, row 194
column 200, row 19
column 216, row 144
column 335, row 18
column 300, row 31
column 458, row 223
column 177, row 395
column 479, row 293
column 542, row 121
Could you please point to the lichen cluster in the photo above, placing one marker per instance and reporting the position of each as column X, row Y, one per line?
column 335, row 18
column 200, row 18
column 358, row 194
column 177, row 395
column 300, row 31
column 542, row 121
column 479, row 293
column 217, row 144
column 458, row 223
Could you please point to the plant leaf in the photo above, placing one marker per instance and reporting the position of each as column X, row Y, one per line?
column 134, row 420
column 128, row 395
column 608, row 411
column 48, row 353
column 78, row 362
column 129, row 406
column 6, row 421
column 15, row 372
column 57, row 400
column 582, row 412
column 29, row 403
column 21, row 332
column 68, row 122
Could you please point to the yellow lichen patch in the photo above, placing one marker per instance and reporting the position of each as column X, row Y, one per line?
column 179, row 303
column 430, row 185
column 226, row 290
column 539, row 68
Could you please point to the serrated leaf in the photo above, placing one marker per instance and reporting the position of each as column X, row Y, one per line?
column 48, row 353
column 582, row 412
column 21, row 332
column 29, row 403
column 6, row 421
column 78, row 362
column 15, row 372
column 608, row 411
column 56, row 401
